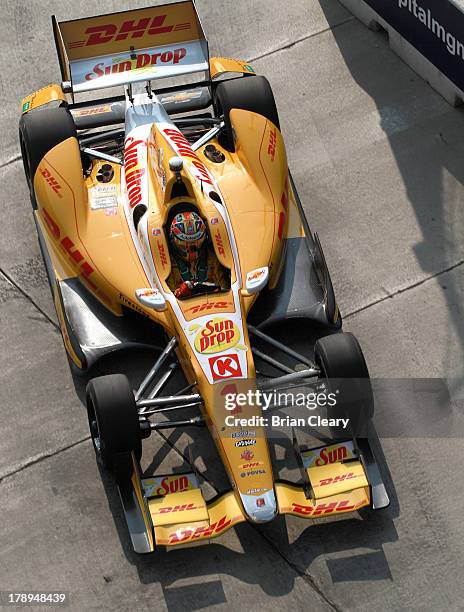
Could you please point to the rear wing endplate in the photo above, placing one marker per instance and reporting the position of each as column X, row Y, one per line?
column 139, row 45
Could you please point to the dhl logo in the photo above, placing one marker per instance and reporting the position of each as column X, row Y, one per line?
column 271, row 149
column 162, row 254
column 128, row 30
column 185, row 535
column 328, row 481
column 208, row 306
column 51, row 181
column 96, row 110
column 68, row 245
column 338, row 506
column 283, row 215
column 219, row 243
column 180, row 508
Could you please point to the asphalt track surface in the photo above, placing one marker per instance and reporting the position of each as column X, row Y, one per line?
column 378, row 158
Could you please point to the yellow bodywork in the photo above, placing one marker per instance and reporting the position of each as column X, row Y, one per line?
column 88, row 237
column 90, row 223
column 47, row 94
column 225, row 65
column 92, row 241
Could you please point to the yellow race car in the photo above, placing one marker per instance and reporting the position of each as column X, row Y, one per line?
column 119, row 186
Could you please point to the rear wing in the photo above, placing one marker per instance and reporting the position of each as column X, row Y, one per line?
column 130, row 46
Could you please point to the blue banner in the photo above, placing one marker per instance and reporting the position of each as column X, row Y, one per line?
column 433, row 27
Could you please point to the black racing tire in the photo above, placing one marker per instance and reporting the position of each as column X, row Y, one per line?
column 342, row 362
column 39, row 131
column 251, row 93
column 113, row 420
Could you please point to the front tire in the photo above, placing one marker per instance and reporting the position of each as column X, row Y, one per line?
column 342, row 363
column 113, row 421
column 39, row 131
column 251, row 93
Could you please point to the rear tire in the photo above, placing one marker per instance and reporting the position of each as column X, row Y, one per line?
column 113, row 421
column 342, row 362
column 251, row 93
column 39, row 131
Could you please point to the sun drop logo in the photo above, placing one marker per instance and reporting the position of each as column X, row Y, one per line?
column 132, row 170
column 217, row 335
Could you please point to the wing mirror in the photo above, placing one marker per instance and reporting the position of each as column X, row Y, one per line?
column 151, row 298
column 255, row 281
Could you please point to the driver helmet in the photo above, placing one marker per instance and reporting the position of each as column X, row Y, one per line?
column 187, row 235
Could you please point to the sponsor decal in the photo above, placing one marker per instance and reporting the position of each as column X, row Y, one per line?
column 111, row 212
column 156, row 231
column 26, row 106
column 153, row 298
column 249, row 466
column 132, row 171
column 96, row 110
column 260, row 502
column 219, row 244
column 124, row 300
column 157, row 156
column 68, row 245
column 244, row 433
column 142, row 61
column 208, row 306
column 256, row 279
column 328, row 455
column 328, row 481
column 271, row 149
column 247, row 455
column 338, row 506
column 183, row 96
column 282, row 215
column 256, row 275
column 128, row 30
column 225, row 366
column 252, row 473
column 214, row 221
column 164, row 485
column 162, row 254
column 184, row 535
column 51, row 181
column 245, row 442
column 217, row 335
column 103, row 196
column 256, row 491
column 248, row 68
column 284, row 197
column 181, row 508
column 184, row 149
column 226, row 389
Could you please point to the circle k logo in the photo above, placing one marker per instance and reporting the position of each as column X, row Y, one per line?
column 225, row 366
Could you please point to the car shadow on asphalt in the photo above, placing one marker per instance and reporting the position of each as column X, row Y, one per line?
column 428, row 147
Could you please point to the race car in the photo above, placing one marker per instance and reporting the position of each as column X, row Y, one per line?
column 168, row 219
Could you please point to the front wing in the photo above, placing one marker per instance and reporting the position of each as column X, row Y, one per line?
column 171, row 511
